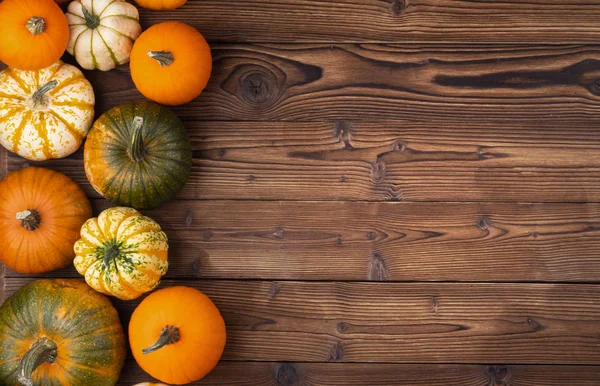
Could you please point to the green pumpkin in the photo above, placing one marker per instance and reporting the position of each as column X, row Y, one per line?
column 58, row 333
column 138, row 155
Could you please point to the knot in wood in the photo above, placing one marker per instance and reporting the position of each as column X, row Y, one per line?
column 257, row 87
column 398, row 7
column 496, row 375
column 286, row 375
column 342, row 327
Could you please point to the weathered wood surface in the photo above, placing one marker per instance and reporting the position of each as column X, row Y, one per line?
column 521, row 21
column 357, row 374
column 308, row 82
column 402, row 323
column 379, row 241
column 401, row 160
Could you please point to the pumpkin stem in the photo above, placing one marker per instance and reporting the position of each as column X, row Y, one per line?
column 136, row 149
column 36, row 25
column 110, row 252
column 30, row 219
column 39, row 95
column 92, row 21
column 42, row 351
column 164, row 58
column 168, row 335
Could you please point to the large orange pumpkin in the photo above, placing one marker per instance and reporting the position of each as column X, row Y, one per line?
column 170, row 63
column 177, row 335
column 33, row 33
column 41, row 213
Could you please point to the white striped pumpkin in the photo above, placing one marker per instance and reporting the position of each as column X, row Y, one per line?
column 102, row 32
column 45, row 113
column 122, row 253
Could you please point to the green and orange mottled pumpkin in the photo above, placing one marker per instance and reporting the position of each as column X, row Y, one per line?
column 60, row 332
column 138, row 155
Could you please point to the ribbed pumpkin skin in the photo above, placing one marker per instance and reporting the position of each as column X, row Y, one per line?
column 53, row 126
column 155, row 179
column 122, row 253
column 101, row 37
column 62, row 207
column 84, row 325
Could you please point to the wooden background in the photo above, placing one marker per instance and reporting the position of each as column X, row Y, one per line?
column 388, row 192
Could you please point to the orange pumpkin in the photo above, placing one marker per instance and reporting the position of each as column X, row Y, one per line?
column 170, row 63
column 41, row 213
column 160, row 4
column 33, row 33
column 177, row 335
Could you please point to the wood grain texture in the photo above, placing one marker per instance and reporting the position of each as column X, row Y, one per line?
column 522, row 21
column 400, row 323
column 308, row 82
column 344, row 374
column 378, row 241
column 400, row 160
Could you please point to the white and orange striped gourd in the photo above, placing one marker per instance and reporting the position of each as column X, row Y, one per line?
column 47, row 113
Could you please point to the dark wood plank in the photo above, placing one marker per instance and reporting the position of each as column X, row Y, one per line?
column 390, row 20
column 344, row 374
column 400, row 323
column 379, row 241
column 303, row 82
column 400, row 160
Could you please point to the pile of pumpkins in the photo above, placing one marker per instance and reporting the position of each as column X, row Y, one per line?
column 137, row 155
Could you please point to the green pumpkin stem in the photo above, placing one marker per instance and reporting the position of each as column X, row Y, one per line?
column 136, row 149
column 42, row 351
column 36, row 25
column 30, row 219
column 92, row 21
column 168, row 335
column 110, row 252
column 164, row 58
column 39, row 96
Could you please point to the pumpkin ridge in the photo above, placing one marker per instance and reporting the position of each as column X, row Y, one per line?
column 94, row 61
column 76, row 15
column 117, row 32
column 150, row 179
column 122, row 136
column 15, row 109
column 105, row 8
column 74, row 53
column 19, row 321
column 43, row 133
column 81, row 104
column 110, row 51
column 82, row 318
column 12, row 74
column 54, row 72
column 76, row 134
column 66, row 82
column 173, row 179
column 19, row 131
column 93, row 332
column 123, row 16
column 12, row 96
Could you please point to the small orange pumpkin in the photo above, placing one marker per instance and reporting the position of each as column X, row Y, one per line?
column 41, row 213
column 170, row 63
column 160, row 4
column 177, row 335
column 33, row 33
